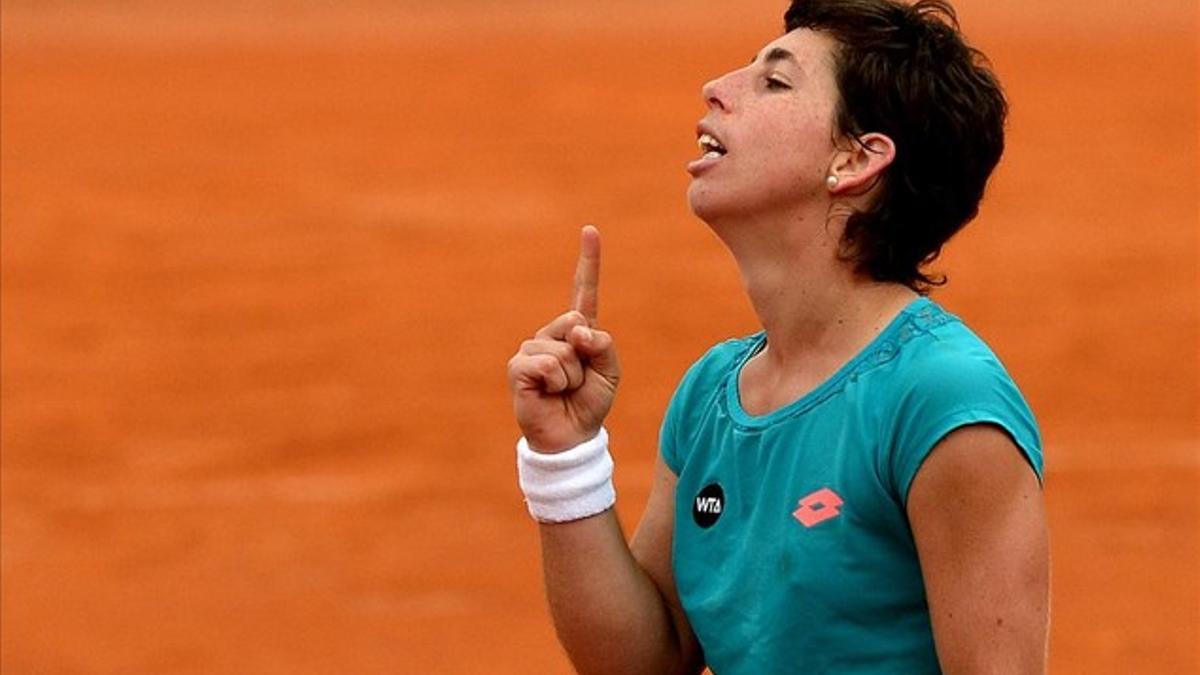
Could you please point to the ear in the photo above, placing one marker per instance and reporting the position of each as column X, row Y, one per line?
column 860, row 166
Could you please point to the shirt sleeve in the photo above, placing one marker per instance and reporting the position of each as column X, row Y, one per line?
column 953, row 392
column 668, row 434
column 671, row 442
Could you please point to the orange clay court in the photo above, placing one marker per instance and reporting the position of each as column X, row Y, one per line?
column 264, row 263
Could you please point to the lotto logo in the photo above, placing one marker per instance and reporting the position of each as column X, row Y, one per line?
column 818, row 507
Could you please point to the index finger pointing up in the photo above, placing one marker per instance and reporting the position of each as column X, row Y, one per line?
column 587, row 274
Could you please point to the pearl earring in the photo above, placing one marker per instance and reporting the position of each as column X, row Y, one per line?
column 832, row 181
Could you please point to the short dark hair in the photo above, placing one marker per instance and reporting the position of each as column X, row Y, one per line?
column 905, row 71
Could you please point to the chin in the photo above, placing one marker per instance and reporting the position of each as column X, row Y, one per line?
column 714, row 206
column 712, row 203
column 706, row 205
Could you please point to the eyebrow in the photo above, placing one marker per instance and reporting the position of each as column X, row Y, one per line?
column 777, row 54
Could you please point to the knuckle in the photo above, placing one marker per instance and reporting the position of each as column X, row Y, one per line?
column 547, row 366
column 520, row 369
column 563, row 351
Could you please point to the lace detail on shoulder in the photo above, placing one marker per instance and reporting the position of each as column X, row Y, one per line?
column 913, row 325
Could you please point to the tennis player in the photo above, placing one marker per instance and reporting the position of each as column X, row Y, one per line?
column 857, row 487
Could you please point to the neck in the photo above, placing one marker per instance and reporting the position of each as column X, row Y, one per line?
column 814, row 307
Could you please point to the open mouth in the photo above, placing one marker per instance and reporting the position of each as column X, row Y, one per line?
column 710, row 146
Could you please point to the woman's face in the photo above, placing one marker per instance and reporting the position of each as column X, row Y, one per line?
column 773, row 126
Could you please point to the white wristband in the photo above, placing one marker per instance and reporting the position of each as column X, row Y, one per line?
column 568, row 485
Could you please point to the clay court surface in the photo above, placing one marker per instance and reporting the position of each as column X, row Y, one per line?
column 264, row 263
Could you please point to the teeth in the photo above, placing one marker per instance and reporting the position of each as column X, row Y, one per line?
column 710, row 145
column 712, row 154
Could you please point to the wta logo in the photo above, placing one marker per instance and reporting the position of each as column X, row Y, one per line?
column 708, row 505
column 818, row 507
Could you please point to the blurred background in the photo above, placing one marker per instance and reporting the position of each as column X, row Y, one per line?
column 264, row 263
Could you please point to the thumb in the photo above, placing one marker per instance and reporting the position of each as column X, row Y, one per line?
column 598, row 347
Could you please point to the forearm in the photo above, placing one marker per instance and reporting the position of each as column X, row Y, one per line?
column 609, row 615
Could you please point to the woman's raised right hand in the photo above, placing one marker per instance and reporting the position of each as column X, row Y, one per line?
column 564, row 378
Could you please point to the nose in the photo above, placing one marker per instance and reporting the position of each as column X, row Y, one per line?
column 713, row 94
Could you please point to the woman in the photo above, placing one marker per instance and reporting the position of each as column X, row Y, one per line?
column 856, row 488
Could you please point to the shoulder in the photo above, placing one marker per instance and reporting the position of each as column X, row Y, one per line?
column 708, row 373
column 698, row 390
column 719, row 361
column 941, row 357
column 945, row 377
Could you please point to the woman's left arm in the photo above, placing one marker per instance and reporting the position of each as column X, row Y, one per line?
column 979, row 523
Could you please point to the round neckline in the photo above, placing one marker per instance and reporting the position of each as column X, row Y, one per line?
column 882, row 344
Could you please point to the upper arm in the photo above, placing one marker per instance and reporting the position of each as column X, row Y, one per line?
column 651, row 546
column 979, row 524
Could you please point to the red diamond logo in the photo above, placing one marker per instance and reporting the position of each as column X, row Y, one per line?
column 818, row 507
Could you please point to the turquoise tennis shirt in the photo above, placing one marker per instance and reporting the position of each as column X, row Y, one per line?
column 792, row 549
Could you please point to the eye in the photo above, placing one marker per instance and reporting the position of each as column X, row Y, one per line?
column 775, row 83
